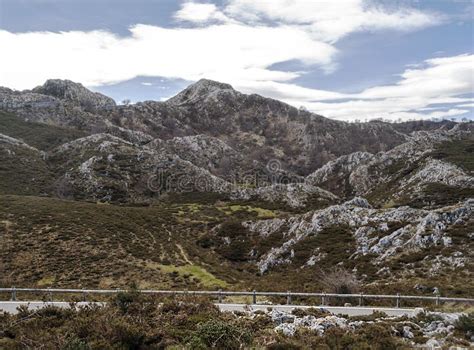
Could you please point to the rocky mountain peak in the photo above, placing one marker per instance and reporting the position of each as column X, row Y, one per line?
column 208, row 85
column 76, row 93
column 202, row 90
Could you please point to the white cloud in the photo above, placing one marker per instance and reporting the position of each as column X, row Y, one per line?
column 287, row 91
column 330, row 20
column 237, row 43
column 432, row 90
column 200, row 13
column 446, row 76
column 227, row 52
column 392, row 109
column 436, row 83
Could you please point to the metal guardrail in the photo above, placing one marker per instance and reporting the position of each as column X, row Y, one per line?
column 254, row 294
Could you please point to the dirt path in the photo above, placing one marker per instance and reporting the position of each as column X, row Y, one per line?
column 183, row 254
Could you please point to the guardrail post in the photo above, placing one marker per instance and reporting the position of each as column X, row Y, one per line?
column 47, row 294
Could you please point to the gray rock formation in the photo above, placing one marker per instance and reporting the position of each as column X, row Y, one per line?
column 401, row 171
column 259, row 128
column 76, row 94
column 415, row 229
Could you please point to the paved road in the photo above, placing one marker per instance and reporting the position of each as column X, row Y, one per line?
column 350, row 311
column 11, row 307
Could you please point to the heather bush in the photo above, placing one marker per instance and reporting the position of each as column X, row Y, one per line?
column 134, row 321
column 219, row 334
column 465, row 324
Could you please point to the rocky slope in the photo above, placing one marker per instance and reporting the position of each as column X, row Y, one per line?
column 70, row 92
column 385, row 234
column 243, row 142
column 106, row 168
column 238, row 184
column 49, row 109
column 112, row 169
column 220, row 159
column 405, row 171
column 261, row 128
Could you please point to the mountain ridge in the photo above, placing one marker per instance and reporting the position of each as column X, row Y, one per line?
column 191, row 132
column 260, row 127
column 242, row 185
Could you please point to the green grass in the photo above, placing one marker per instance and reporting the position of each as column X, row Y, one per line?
column 205, row 278
column 458, row 152
column 23, row 171
column 46, row 281
column 38, row 135
column 261, row 212
column 47, row 241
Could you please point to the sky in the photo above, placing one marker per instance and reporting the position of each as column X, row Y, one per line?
column 344, row 59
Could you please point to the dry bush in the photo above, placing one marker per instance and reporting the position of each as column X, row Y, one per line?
column 339, row 281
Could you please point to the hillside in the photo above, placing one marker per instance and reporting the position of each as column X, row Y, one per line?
column 261, row 128
column 217, row 189
column 51, row 242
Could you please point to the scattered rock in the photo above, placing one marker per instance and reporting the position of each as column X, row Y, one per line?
column 407, row 333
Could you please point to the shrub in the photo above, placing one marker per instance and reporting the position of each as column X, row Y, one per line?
column 237, row 250
column 378, row 336
column 123, row 300
column 283, row 346
column 465, row 324
column 370, row 318
column 310, row 312
column 131, row 336
column 76, row 344
column 340, row 281
column 205, row 241
column 232, row 229
column 219, row 334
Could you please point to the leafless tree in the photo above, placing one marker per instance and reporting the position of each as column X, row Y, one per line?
column 340, row 281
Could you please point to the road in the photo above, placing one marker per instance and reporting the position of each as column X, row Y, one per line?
column 11, row 307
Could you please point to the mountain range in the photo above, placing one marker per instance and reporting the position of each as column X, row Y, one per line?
column 214, row 187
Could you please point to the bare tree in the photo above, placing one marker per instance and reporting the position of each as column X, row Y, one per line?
column 340, row 281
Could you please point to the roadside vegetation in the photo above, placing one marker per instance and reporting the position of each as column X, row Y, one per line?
column 135, row 321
